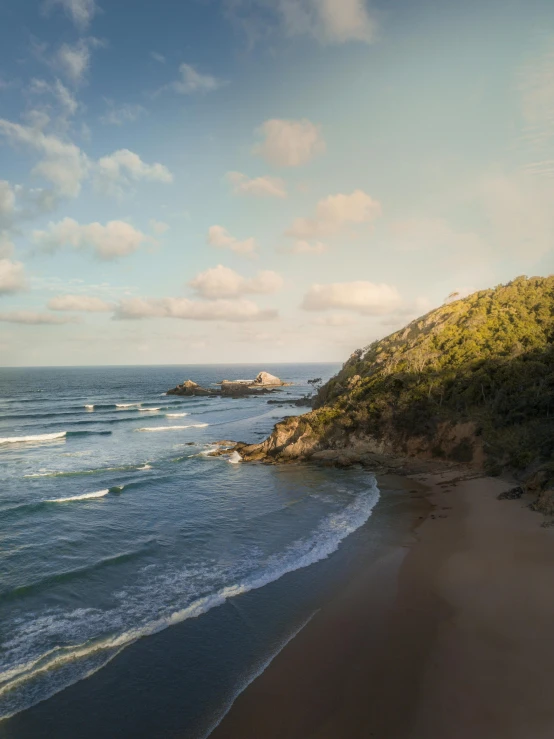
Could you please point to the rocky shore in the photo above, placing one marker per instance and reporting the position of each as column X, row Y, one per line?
column 264, row 383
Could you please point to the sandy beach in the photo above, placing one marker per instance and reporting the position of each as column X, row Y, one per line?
column 446, row 636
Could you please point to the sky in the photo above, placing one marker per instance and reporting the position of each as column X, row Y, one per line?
column 220, row 181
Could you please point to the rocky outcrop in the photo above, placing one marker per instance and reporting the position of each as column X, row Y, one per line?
column 264, row 378
column 264, row 383
column 190, row 389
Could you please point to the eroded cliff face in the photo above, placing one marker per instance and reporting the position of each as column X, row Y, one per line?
column 318, row 436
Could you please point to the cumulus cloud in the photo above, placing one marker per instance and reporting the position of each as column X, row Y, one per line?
column 115, row 239
column 65, row 98
column 328, row 21
column 235, row 311
column 117, row 170
column 117, row 115
column 83, row 303
column 81, row 12
column 33, row 318
column 12, row 276
column 257, row 186
column 63, row 163
column 74, row 59
column 335, row 212
column 365, row 298
column 289, row 143
column 221, row 238
column 222, row 282
column 66, row 166
column 191, row 81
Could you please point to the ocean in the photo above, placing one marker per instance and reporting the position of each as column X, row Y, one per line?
column 143, row 583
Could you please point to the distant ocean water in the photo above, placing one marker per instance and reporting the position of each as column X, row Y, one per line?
column 115, row 524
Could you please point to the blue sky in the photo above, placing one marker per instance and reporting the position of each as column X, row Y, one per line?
column 263, row 180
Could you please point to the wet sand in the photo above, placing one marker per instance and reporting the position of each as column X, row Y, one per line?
column 448, row 636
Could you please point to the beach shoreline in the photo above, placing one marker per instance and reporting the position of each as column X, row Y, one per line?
column 435, row 639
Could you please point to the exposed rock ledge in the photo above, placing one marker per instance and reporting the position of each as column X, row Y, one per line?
column 264, row 383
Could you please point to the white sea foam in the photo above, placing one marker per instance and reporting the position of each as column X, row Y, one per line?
column 122, row 406
column 145, row 467
column 176, row 415
column 150, row 410
column 89, row 407
column 235, row 458
column 84, row 496
column 34, row 671
column 173, row 428
column 31, row 439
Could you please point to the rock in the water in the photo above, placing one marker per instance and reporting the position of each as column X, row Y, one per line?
column 264, row 378
column 264, row 383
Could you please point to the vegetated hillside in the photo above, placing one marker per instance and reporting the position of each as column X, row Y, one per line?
column 472, row 381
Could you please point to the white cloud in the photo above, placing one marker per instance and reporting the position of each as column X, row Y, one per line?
column 221, row 238
column 158, row 227
column 33, row 318
column 343, row 20
column 115, row 239
column 80, row 11
column 74, row 59
column 63, row 163
column 59, row 91
column 328, row 21
column 222, row 282
column 259, row 186
column 235, row 311
column 12, row 276
column 118, row 115
column 289, row 143
column 119, row 168
column 158, row 57
column 84, row 303
column 333, row 213
column 191, row 81
column 365, row 298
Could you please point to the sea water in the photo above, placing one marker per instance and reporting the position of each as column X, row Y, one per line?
column 116, row 524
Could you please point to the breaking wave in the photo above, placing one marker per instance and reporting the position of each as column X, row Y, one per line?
column 35, row 671
column 84, row 496
column 37, row 438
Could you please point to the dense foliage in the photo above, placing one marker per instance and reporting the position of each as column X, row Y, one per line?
column 487, row 358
